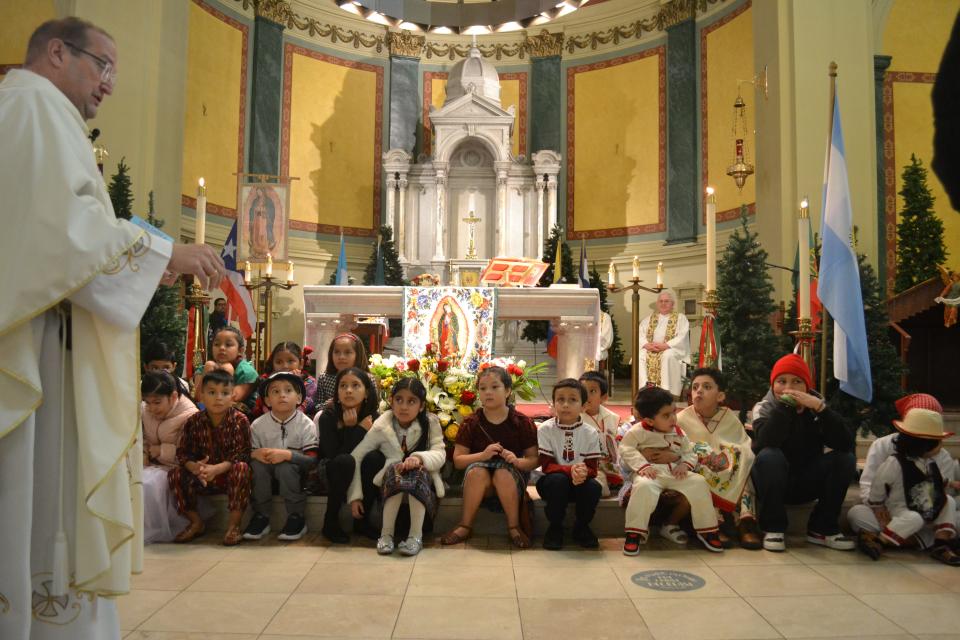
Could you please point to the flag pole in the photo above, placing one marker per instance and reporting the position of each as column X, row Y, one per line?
column 824, row 328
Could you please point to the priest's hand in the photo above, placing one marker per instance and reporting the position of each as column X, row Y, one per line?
column 199, row 260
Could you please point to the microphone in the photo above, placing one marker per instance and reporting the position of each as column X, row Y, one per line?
column 94, row 134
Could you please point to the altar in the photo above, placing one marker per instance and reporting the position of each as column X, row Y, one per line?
column 574, row 315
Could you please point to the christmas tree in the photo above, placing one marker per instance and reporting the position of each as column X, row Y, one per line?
column 536, row 330
column 392, row 269
column 615, row 351
column 748, row 344
column 920, row 246
column 165, row 319
column 120, row 194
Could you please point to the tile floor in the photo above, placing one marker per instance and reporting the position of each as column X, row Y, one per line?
column 483, row 589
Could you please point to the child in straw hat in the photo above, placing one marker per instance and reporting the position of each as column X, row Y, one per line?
column 908, row 492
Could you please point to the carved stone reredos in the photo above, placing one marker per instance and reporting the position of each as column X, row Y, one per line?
column 473, row 74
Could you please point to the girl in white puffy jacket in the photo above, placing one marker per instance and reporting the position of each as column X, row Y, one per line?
column 412, row 441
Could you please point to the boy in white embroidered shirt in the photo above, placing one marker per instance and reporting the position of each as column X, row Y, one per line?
column 569, row 453
column 657, row 428
column 606, row 422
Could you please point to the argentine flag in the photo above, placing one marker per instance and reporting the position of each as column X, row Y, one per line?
column 342, row 263
column 839, row 284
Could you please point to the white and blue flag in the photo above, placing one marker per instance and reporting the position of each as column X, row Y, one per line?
column 839, row 284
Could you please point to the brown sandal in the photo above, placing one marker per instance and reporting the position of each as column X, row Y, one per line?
column 193, row 530
column 232, row 537
column 518, row 537
column 452, row 537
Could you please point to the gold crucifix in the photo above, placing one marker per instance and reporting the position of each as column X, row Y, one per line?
column 471, row 221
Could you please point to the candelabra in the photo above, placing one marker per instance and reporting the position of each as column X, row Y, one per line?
column 636, row 288
column 196, row 302
column 265, row 285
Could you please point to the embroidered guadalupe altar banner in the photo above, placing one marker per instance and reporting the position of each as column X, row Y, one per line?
column 457, row 321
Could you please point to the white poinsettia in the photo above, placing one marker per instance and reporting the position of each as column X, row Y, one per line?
column 446, row 403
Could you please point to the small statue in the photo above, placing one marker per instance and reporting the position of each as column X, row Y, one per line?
column 950, row 296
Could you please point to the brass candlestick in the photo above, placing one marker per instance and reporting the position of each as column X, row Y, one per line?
column 196, row 302
column 636, row 288
column 708, row 353
column 804, row 336
column 265, row 285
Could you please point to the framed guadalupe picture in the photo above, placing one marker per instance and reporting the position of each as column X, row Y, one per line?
column 262, row 216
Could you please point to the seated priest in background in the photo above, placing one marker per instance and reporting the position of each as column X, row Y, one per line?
column 70, row 461
column 664, row 344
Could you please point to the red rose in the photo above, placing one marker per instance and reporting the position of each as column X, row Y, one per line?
column 428, row 348
column 442, row 365
column 514, row 370
column 468, row 397
column 413, row 364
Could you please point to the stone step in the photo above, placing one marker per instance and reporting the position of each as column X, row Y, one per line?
column 608, row 521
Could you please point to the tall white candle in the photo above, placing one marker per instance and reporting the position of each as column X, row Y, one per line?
column 290, row 271
column 660, row 274
column 200, row 231
column 247, row 272
column 711, row 240
column 803, row 230
column 611, row 275
column 268, row 272
column 472, row 206
column 636, row 267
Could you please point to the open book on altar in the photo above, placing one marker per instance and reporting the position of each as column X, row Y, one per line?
column 512, row 272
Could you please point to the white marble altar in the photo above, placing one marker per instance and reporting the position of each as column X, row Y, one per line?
column 574, row 314
column 516, row 199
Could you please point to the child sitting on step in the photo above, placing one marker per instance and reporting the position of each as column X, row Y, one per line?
column 606, row 423
column 657, row 428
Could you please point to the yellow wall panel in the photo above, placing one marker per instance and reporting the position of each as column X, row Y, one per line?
column 913, row 134
column 19, row 21
column 513, row 93
column 214, row 119
column 916, row 33
column 332, row 140
column 615, row 146
column 727, row 49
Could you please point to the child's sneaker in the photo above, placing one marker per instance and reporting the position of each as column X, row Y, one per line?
column 258, row 527
column 632, row 542
column 711, row 540
column 585, row 537
column 295, row 527
column 774, row 541
column 837, row 541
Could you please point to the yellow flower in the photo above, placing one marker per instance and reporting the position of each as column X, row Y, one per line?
column 386, row 383
column 445, row 418
column 451, row 431
column 464, row 410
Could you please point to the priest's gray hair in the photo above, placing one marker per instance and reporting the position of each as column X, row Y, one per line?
column 669, row 293
column 69, row 29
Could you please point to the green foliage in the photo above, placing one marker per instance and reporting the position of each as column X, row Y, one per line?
column 536, row 330
column 920, row 246
column 748, row 344
column 392, row 269
column 120, row 194
column 165, row 319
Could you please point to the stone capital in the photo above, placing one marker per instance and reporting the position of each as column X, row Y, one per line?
column 545, row 44
column 404, row 43
column 278, row 11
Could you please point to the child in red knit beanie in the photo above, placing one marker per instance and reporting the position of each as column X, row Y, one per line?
column 792, row 426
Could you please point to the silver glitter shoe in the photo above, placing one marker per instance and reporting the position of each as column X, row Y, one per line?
column 411, row 546
column 385, row 545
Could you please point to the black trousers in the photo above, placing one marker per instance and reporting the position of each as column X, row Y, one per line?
column 340, row 469
column 825, row 479
column 558, row 490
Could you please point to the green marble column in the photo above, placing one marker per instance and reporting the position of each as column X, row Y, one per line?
column 682, row 123
column 880, row 66
column 545, row 113
column 265, row 99
column 404, row 102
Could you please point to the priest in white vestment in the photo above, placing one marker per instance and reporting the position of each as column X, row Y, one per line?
column 664, row 346
column 76, row 282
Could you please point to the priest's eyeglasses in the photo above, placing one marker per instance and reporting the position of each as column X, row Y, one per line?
column 107, row 72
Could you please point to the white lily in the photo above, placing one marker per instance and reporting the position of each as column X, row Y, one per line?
column 446, row 403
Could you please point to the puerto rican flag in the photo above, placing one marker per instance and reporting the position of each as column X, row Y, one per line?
column 239, row 303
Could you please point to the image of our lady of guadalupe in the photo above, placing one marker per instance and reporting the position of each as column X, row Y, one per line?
column 448, row 329
column 261, row 221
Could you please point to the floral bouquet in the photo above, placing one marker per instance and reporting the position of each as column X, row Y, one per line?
column 451, row 391
column 426, row 280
